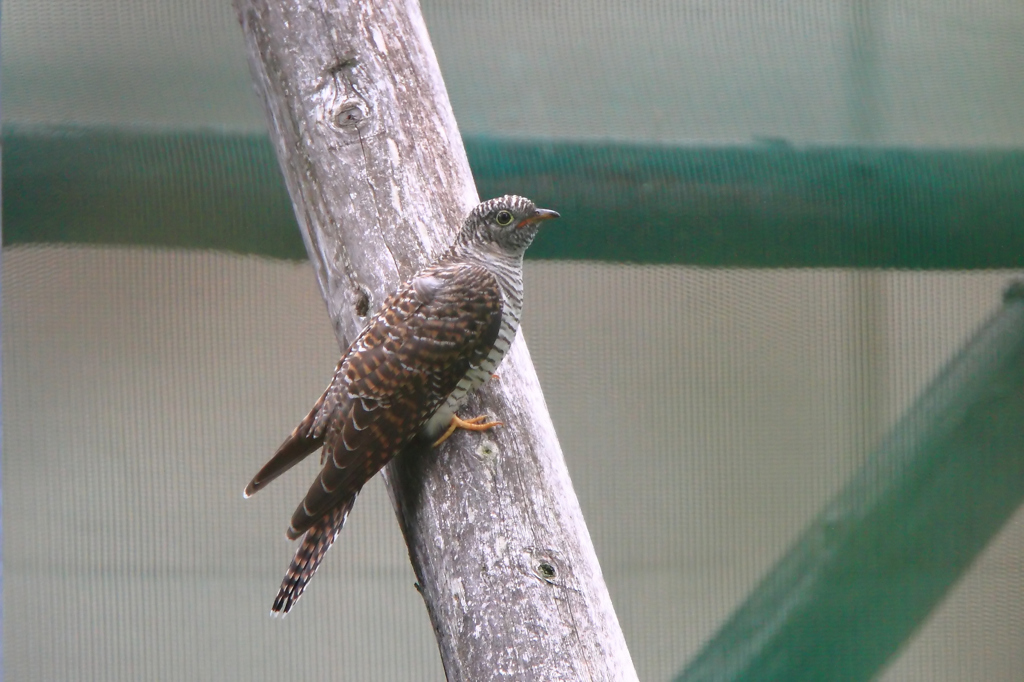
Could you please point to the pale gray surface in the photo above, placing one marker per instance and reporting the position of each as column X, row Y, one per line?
column 912, row 72
column 147, row 388
column 143, row 388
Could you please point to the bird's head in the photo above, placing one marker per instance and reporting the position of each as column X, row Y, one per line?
column 508, row 223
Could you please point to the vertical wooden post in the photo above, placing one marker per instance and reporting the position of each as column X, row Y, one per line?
column 375, row 165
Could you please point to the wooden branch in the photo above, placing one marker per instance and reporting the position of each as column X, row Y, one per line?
column 378, row 175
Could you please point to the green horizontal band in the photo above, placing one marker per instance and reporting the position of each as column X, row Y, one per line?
column 202, row 190
column 762, row 206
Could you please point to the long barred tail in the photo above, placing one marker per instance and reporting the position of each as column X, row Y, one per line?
column 308, row 556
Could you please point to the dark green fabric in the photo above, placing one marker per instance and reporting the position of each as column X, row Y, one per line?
column 762, row 206
column 200, row 190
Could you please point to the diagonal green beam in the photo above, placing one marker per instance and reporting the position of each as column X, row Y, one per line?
column 881, row 555
column 758, row 206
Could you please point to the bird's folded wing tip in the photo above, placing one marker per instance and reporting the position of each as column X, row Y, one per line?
column 250, row 489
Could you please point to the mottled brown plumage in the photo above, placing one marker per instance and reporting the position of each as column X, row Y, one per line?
column 436, row 339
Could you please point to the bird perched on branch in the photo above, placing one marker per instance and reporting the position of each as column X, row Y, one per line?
column 436, row 339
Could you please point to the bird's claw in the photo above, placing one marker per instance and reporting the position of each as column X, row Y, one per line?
column 475, row 424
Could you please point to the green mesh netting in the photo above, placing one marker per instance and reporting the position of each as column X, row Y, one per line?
column 769, row 214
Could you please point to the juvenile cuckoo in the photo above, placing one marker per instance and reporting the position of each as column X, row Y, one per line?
column 436, row 339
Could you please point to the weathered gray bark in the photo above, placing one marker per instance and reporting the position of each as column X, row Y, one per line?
column 376, row 169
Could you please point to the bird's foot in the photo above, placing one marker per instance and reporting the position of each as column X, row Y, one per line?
column 475, row 424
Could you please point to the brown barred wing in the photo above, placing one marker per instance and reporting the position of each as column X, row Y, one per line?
column 304, row 440
column 395, row 376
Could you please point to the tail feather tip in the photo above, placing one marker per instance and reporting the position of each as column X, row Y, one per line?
column 282, row 605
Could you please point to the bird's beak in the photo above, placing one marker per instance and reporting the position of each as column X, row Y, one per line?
column 539, row 214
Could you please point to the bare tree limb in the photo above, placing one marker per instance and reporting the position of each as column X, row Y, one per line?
column 375, row 165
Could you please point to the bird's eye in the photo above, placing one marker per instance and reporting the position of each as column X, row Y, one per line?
column 503, row 218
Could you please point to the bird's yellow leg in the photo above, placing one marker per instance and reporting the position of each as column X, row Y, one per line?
column 475, row 424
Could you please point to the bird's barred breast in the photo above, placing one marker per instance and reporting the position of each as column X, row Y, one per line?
column 511, row 282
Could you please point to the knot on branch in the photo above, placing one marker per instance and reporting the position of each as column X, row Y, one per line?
column 338, row 103
column 546, row 565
